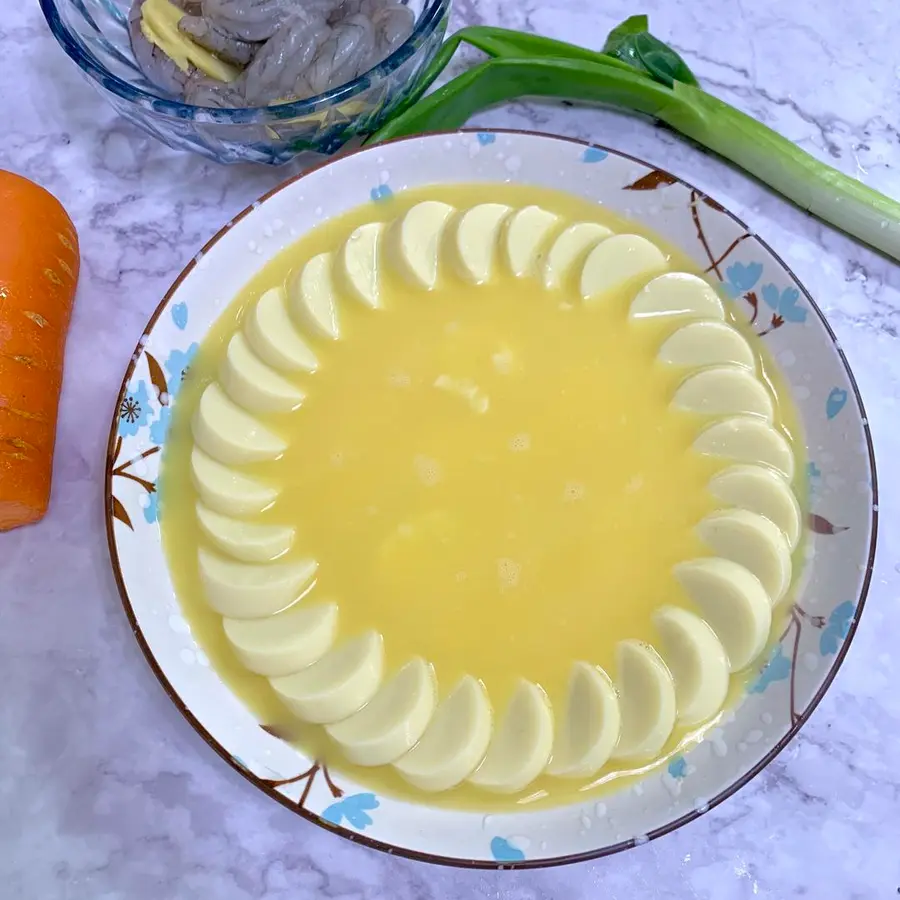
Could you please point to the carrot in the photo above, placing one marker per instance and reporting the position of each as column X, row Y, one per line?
column 38, row 273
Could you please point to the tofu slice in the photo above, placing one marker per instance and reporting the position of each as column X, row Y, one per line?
column 230, row 434
column 647, row 701
column 619, row 260
column 454, row 742
column 698, row 663
column 521, row 745
column 339, row 684
column 392, row 722
column 589, row 729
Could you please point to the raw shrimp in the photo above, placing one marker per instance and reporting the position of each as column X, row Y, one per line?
column 199, row 90
column 152, row 61
column 280, row 50
column 258, row 20
column 207, row 34
column 284, row 59
column 393, row 24
column 347, row 8
column 346, row 54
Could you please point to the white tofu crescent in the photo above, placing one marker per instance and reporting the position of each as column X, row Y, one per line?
column 647, row 698
column 339, row 684
column 707, row 343
column 761, row 490
column 230, row 434
column 313, row 302
column 418, row 241
column 568, row 249
column 254, row 385
column 677, row 294
column 698, row 663
column 360, row 261
column 286, row 642
column 253, row 591
column 747, row 439
column 733, row 602
column 226, row 490
column 243, row 540
column 454, row 742
column 527, row 233
column 392, row 722
column 272, row 335
column 476, row 237
column 521, row 745
column 588, row 731
column 752, row 541
column 725, row 391
column 619, row 260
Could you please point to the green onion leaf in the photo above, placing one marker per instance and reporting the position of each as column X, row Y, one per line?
column 632, row 43
column 661, row 61
column 640, row 73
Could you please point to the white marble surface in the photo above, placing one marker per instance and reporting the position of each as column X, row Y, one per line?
column 105, row 791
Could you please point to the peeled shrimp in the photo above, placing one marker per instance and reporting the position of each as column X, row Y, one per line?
column 258, row 20
column 207, row 34
column 393, row 24
column 284, row 59
column 286, row 49
column 199, row 90
column 152, row 61
column 345, row 55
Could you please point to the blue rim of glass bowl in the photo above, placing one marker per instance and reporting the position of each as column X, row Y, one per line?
column 429, row 20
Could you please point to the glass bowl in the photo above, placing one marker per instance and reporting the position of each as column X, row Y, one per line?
column 94, row 33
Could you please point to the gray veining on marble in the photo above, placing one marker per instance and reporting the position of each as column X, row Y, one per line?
column 105, row 791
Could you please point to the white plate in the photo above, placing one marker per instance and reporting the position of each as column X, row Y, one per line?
column 841, row 487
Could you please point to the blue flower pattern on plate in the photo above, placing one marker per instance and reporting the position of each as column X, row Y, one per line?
column 837, row 628
column 813, row 478
column 151, row 510
column 381, row 193
column 784, row 303
column 160, row 425
column 352, row 808
column 740, row 278
column 593, row 155
column 677, row 767
column 485, row 137
column 836, row 401
column 175, row 367
column 180, row 315
column 777, row 668
column 503, row 851
column 134, row 410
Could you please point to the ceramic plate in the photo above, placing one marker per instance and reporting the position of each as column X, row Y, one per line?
column 840, row 473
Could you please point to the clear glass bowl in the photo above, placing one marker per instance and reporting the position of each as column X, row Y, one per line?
column 94, row 33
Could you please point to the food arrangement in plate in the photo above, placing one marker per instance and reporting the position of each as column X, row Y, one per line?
column 414, row 467
column 235, row 53
column 468, row 474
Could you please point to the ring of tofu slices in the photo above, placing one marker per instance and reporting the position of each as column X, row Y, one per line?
column 435, row 739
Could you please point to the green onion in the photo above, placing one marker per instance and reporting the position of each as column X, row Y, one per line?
column 638, row 72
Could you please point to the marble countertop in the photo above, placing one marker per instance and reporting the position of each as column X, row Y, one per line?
column 106, row 793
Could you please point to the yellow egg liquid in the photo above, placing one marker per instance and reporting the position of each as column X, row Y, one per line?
column 489, row 475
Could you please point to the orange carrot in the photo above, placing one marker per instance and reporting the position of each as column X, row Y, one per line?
column 38, row 273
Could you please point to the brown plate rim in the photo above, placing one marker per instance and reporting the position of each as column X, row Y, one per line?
column 392, row 849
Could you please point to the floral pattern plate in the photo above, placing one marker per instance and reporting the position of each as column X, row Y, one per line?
column 841, row 479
